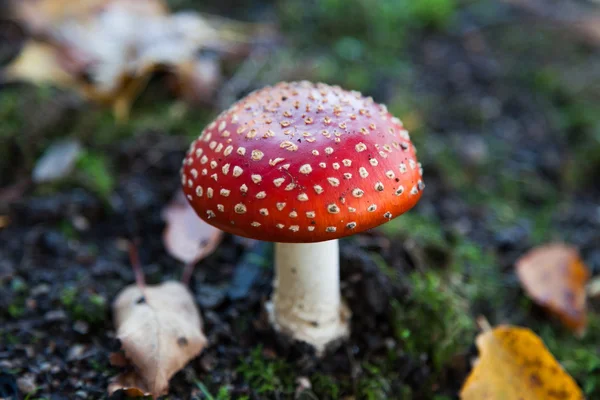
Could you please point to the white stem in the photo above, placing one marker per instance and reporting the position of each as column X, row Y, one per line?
column 306, row 301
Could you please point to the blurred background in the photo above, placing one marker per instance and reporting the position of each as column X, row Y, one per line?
column 98, row 103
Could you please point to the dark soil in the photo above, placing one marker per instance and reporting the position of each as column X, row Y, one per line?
column 511, row 161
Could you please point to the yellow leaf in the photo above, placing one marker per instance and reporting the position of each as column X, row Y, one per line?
column 38, row 63
column 555, row 277
column 160, row 331
column 515, row 364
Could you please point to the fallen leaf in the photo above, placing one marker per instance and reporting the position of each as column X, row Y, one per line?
column 26, row 66
column 40, row 16
column 515, row 364
column 187, row 237
column 160, row 330
column 555, row 277
column 96, row 48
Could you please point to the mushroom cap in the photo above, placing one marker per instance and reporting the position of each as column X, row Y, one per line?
column 301, row 162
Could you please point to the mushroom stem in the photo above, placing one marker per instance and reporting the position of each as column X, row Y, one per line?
column 306, row 302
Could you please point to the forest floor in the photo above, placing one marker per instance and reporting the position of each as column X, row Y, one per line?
column 504, row 114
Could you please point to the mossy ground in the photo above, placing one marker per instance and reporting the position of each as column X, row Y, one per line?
column 509, row 139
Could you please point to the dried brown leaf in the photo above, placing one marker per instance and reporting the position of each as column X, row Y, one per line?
column 555, row 277
column 187, row 237
column 40, row 16
column 160, row 330
column 94, row 47
column 26, row 66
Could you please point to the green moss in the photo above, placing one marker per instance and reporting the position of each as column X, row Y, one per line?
column 16, row 309
column 157, row 114
column 325, row 386
column 580, row 357
column 355, row 35
column 222, row 394
column 18, row 285
column 478, row 278
column 67, row 229
column 373, row 385
column 423, row 229
column 381, row 383
column 267, row 377
column 376, row 21
column 10, row 115
column 83, row 305
column 9, row 339
column 433, row 14
column 29, row 396
column 434, row 320
column 93, row 172
column 67, row 296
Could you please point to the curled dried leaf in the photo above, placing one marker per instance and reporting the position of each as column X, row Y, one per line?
column 160, row 330
column 97, row 48
column 514, row 363
column 555, row 277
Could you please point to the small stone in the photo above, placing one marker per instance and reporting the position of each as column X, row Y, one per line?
column 81, row 223
column 7, row 270
column 57, row 162
column 208, row 362
column 513, row 237
column 27, row 384
column 390, row 343
column 45, row 366
column 303, row 383
column 303, row 388
column 81, row 327
column 55, row 316
column 474, row 150
column 40, row 290
column 75, row 352
column 210, row 296
column 29, row 351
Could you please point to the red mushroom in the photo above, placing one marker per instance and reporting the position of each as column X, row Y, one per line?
column 302, row 165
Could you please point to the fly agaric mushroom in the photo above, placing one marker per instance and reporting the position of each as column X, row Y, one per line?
column 302, row 165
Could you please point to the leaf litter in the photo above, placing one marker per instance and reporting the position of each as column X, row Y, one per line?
column 94, row 47
column 555, row 277
column 186, row 236
column 515, row 364
column 160, row 331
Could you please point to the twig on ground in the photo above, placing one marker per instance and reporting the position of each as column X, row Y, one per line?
column 134, row 259
column 188, row 272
